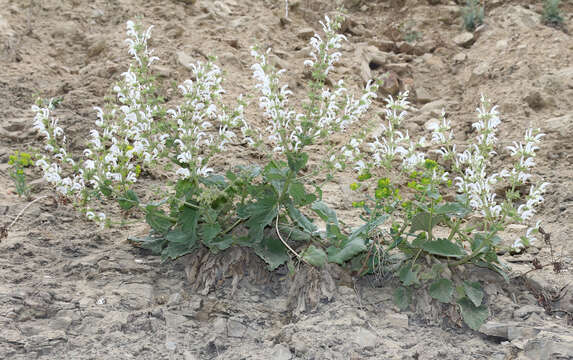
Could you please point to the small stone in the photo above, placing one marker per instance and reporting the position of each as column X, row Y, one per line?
column 281, row 352
column 171, row 345
column 96, row 48
column 184, row 60
column 305, row 33
column 434, row 108
column 365, row 338
column 390, row 84
column 459, row 58
column 405, row 47
column 479, row 73
column 386, row 45
column 423, row 95
column 527, row 310
column 465, row 39
column 174, row 299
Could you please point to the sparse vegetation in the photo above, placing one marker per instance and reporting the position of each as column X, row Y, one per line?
column 472, row 15
column 552, row 15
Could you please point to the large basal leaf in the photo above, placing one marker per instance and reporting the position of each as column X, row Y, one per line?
column 156, row 218
column 188, row 218
column 349, row 249
column 272, row 251
column 365, row 229
column 214, row 180
column 442, row 290
column 174, row 250
column 324, row 212
column 443, row 247
column 402, row 297
column 300, row 219
column 155, row 244
column 259, row 215
column 409, row 275
column 474, row 316
column 314, row 256
column 299, row 195
column 424, row 221
column 473, row 292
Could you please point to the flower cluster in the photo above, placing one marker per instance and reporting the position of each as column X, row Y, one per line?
column 475, row 182
column 328, row 110
column 195, row 120
column 389, row 145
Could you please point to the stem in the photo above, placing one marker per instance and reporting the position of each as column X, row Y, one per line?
column 286, row 244
column 232, row 226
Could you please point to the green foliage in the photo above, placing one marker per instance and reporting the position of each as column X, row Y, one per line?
column 472, row 15
column 551, row 14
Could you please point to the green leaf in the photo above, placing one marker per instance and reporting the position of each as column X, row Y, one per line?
column 175, row 250
column 154, row 244
column 300, row 219
column 424, row 221
column 157, row 219
column 220, row 242
column 214, row 180
column 259, row 214
column 443, row 247
column 314, row 256
column 209, row 232
column 402, row 297
column 296, row 161
column 474, row 316
column 188, row 219
column 409, row 275
column 294, row 233
column 272, row 251
column 474, row 292
column 324, row 212
column 181, row 237
column 441, row 290
column 299, row 195
column 453, row 209
column 128, row 200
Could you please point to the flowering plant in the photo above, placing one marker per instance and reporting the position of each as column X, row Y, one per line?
column 437, row 208
column 435, row 235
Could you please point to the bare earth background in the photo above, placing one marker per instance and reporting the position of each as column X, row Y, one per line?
column 71, row 291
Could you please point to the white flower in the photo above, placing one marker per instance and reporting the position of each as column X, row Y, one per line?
column 184, row 173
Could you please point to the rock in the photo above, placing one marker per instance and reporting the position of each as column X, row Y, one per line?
column 534, row 100
column 184, row 60
column 390, row 85
column 365, row 338
column 434, row 62
column 400, row 68
column 405, row 47
column 478, row 73
column 305, row 33
column 501, row 44
column 548, row 345
column 386, row 45
column 527, row 310
column 447, row 14
column 465, row 39
column 299, row 344
column 507, row 331
column 174, row 299
column 423, row 95
column 459, row 58
column 281, row 352
column 434, row 108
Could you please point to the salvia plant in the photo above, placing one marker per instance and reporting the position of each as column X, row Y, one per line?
column 430, row 213
column 18, row 162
